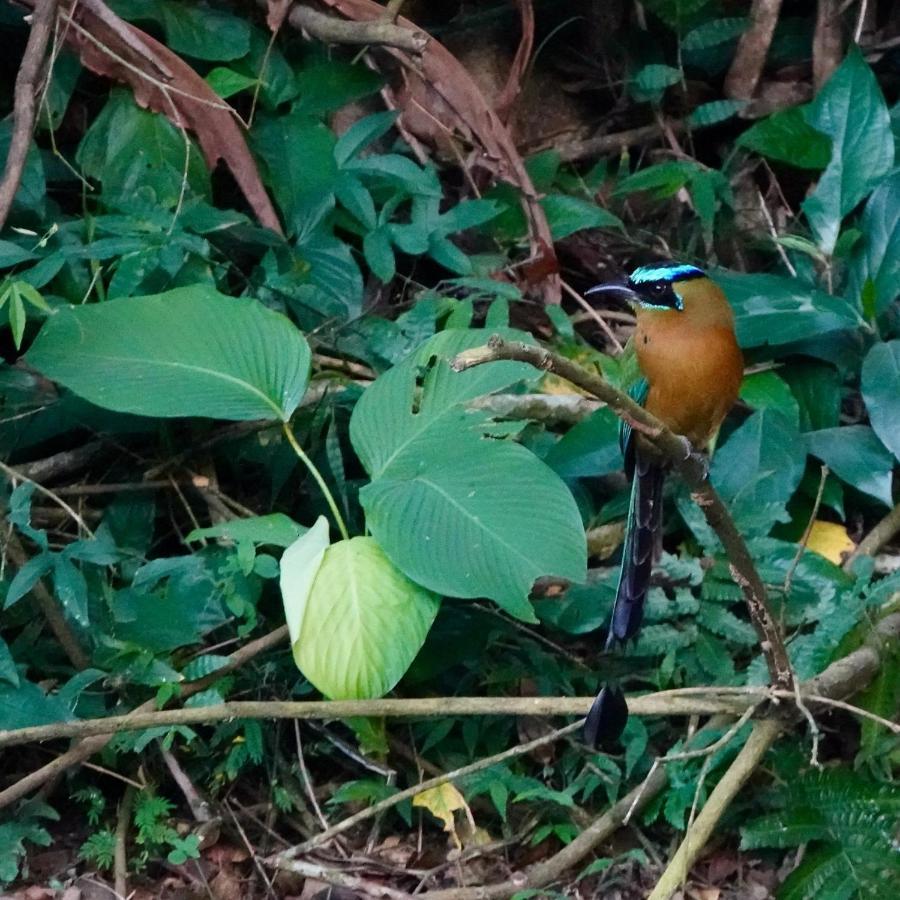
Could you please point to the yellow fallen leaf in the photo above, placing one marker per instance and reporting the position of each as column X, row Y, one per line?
column 830, row 540
column 442, row 801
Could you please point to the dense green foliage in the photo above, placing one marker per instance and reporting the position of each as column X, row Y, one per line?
column 374, row 497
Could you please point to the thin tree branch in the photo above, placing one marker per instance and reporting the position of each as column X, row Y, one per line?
column 828, row 42
column 323, row 837
column 843, row 677
column 24, row 107
column 89, row 746
column 649, row 705
column 753, row 47
column 120, row 861
column 344, row 879
column 48, row 606
column 688, row 464
column 763, row 735
column 331, row 30
column 876, row 538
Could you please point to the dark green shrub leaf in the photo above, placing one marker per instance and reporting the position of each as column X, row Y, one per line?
column 714, row 112
column 566, row 215
column 650, row 81
column 664, row 179
column 188, row 352
column 8, row 671
column 766, row 390
column 881, row 391
column 274, row 529
column 788, row 137
column 203, row 32
column 770, row 309
column 299, row 153
column 328, row 84
column 127, row 148
column 857, row 457
column 226, row 82
column 590, row 448
column 713, row 33
column 760, row 463
column 362, row 133
column 27, row 705
column 875, row 264
column 851, row 110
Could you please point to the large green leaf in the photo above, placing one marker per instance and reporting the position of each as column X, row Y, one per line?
column 356, row 622
column 487, row 521
column 388, row 421
column 851, row 110
column 457, row 511
column 876, row 260
column 187, row 352
column 881, row 391
column 857, row 457
column 773, row 310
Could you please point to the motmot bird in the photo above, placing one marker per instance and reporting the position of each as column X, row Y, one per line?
column 691, row 368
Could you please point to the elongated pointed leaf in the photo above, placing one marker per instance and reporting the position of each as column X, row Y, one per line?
column 857, row 457
column 877, row 258
column 851, row 110
column 299, row 566
column 188, row 352
column 770, row 309
column 881, row 391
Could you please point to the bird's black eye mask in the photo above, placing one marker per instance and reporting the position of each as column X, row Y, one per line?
column 653, row 287
column 660, row 294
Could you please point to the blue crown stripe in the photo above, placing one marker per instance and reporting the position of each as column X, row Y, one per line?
column 649, row 274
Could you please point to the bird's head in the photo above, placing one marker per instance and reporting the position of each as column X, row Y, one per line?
column 655, row 286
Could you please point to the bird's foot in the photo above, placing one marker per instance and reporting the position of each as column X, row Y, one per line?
column 701, row 459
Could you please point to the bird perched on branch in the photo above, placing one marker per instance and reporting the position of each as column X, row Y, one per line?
column 691, row 370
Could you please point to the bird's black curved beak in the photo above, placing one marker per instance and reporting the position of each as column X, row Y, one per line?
column 620, row 289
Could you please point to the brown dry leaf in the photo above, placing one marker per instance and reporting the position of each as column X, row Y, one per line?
column 276, row 12
column 442, row 95
column 162, row 81
column 830, row 540
column 442, row 802
column 506, row 100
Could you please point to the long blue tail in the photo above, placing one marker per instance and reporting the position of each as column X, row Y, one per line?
column 609, row 712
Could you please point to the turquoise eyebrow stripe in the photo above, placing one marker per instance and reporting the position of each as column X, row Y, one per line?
column 648, row 274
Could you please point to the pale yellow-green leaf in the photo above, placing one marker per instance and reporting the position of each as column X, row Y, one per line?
column 32, row 296
column 17, row 316
column 299, row 566
column 362, row 623
column 442, row 802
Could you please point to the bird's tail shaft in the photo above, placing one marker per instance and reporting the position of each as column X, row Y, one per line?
column 609, row 713
column 644, row 523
